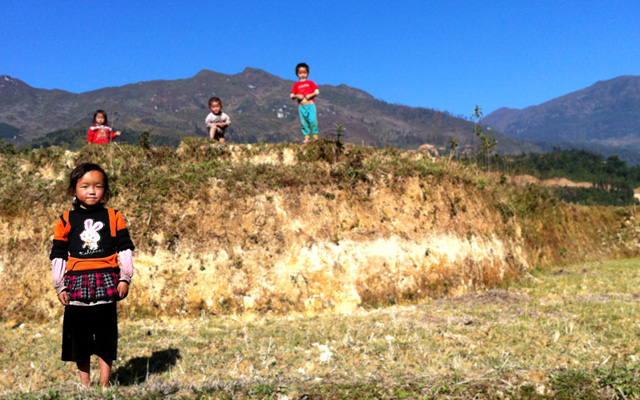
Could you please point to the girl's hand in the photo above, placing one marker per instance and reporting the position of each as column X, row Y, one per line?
column 64, row 298
column 123, row 289
column 118, row 133
column 300, row 97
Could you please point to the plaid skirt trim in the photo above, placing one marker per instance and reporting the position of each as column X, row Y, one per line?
column 93, row 286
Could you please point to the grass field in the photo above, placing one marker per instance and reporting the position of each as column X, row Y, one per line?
column 569, row 332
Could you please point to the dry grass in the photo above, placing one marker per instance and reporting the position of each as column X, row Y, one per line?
column 269, row 271
column 568, row 332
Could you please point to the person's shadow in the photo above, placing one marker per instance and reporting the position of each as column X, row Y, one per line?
column 138, row 369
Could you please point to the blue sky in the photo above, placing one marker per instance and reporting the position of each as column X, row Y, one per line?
column 447, row 55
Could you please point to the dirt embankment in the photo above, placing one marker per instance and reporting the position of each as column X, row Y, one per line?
column 285, row 228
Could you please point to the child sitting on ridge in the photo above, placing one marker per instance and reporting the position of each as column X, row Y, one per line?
column 217, row 121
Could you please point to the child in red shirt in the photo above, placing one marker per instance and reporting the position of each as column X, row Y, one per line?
column 305, row 92
column 100, row 132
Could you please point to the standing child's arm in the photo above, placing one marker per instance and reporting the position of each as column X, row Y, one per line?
column 312, row 95
column 58, row 256
column 315, row 92
column 58, row 267
column 90, row 136
column 125, row 252
column 294, row 93
column 126, row 272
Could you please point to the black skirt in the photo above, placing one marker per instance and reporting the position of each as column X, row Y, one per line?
column 88, row 330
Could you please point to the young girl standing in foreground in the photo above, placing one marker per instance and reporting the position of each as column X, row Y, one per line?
column 87, row 242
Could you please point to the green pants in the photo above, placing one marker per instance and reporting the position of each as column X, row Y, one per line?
column 308, row 119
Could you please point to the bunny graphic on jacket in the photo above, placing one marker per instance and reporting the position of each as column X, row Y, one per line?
column 90, row 235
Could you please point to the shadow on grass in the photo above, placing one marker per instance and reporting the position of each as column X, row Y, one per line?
column 138, row 369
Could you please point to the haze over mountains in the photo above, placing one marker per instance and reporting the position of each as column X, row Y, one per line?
column 257, row 102
column 603, row 118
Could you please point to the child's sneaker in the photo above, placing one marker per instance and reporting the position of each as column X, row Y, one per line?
column 306, row 140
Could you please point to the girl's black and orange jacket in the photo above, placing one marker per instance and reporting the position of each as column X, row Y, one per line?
column 90, row 239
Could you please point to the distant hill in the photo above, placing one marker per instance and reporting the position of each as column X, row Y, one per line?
column 603, row 118
column 257, row 102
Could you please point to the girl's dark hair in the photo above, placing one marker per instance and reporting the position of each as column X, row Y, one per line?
column 79, row 171
column 302, row 65
column 215, row 100
column 106, row 121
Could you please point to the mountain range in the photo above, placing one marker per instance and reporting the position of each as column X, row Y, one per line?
column 603, row 118
column 257, row 102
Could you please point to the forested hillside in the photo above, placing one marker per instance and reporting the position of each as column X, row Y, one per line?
column 611, row 180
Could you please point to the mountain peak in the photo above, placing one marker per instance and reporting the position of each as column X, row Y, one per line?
column 7, row 80
column 603, row 117
column 250, row 70
column 256, row 72
column 205, row 72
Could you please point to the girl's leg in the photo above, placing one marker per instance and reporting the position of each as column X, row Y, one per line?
column 105, row 371
column 84, row 370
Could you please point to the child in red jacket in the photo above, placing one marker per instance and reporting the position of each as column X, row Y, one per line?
column 100, row 132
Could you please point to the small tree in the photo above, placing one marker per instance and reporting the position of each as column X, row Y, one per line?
column 339, row 131
column 487, row 144
column 144, row 142
column 453, row 146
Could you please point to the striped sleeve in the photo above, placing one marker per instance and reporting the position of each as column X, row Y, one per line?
column 123, row 240
column 60, row 248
